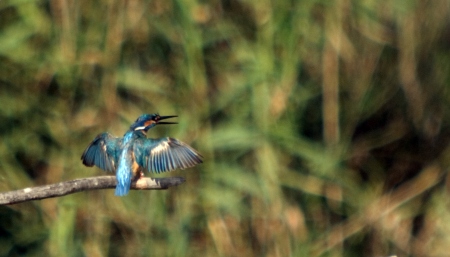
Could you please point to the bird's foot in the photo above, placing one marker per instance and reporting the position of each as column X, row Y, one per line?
column 138, row 175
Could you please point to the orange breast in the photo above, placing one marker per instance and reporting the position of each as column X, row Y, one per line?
column 135, row 168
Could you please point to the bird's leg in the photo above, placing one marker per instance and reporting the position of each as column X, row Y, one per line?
column 139, row 175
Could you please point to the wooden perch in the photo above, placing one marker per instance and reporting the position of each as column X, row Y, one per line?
column 83, row 184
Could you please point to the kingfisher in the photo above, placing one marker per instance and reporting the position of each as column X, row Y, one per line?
column 129, row 156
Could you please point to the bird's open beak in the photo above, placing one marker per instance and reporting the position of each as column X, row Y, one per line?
column 166, row 117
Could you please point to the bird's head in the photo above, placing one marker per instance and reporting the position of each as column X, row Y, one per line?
column 148, row 121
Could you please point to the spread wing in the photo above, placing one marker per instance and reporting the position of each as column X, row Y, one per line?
column 165, row 154
column 102, row 152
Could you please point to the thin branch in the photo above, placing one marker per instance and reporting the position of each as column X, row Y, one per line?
column 83, row 184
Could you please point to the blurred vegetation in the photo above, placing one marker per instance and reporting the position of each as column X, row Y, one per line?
column 324, row 125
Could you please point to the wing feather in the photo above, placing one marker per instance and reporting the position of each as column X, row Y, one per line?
column 165, row 154
column 101, row 152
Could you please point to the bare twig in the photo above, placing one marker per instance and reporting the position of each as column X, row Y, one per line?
column 83, row 184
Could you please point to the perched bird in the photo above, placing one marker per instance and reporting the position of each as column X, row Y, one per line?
column 131, row 155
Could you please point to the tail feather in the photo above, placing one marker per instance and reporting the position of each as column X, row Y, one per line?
column 123, row 178
column 121, row 190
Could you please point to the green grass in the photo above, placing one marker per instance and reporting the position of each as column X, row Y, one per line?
column 323, row 125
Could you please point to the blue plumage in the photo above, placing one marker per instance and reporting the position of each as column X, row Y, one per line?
column 165, row 154
column 102, row 152
column 130, row 155
column 124, row 172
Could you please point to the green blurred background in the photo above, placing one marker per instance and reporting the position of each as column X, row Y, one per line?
column 324, row 125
